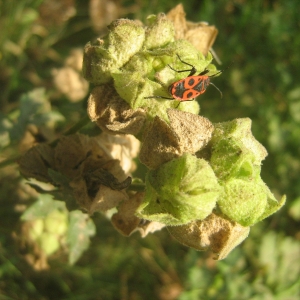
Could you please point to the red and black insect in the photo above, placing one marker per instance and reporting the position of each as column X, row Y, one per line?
column 187, row 89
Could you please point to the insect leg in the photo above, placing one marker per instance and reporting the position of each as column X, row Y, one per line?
column 183, row 101
column 192, row 70
column 184, row 62
column 159, row 97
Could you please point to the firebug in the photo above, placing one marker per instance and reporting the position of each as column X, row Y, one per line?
column 190, row 87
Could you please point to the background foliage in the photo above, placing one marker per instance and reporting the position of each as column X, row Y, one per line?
column 262, row 39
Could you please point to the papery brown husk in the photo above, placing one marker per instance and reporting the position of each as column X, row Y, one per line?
column 96, row 178
column 112, row 114
column 201, row 35
column 216, row 233
column 126, row 222
column 186, row 133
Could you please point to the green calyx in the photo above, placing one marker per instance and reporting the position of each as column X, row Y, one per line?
column 248, row 202
column 139, row 63
column 180, row 191
column 135, row 58
column 188, row 188
column 235, row 151
column 236, row 160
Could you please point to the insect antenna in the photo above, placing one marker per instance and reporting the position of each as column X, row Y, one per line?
column 217, row 89
column 221, row 71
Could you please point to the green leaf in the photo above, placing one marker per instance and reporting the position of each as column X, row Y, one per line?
column 35, row 108
column 280, row 258
column 42, row 208
column 81, row 228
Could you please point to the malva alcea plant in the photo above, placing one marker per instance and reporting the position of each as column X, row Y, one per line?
column 183, row 184
column 203, row 181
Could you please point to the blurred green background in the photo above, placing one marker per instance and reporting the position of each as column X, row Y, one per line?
column 263, row 41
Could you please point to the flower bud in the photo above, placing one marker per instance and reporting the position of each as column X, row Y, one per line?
column 107, row 55
column 180, row 191
column 141, row 61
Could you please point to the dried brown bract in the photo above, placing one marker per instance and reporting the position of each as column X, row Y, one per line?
column 121, row 147
column 97, row 180
column 193, row 130
column 126, row 222
column 201, row 35
column 112, row 114
column 215, row 233
column 187, row 133
column 160, row 145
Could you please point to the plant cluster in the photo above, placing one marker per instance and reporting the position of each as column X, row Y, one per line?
column 203, row 179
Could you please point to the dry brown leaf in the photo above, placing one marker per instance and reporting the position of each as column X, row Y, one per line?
column 36, row 161
column 106, row 198
column 149, row 227
column 97, row 180
column 70, row 153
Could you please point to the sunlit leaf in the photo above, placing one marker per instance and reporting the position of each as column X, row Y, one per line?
column 42, row 207
column 81, row 228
